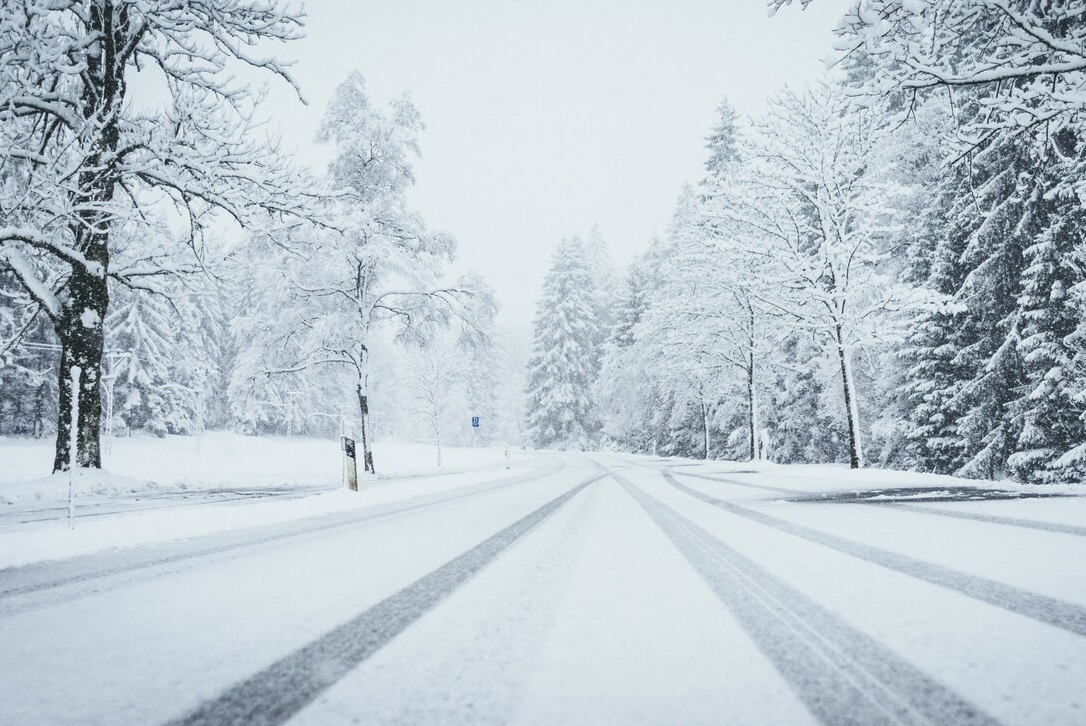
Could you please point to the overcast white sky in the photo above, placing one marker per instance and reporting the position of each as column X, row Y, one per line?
column 546, row 116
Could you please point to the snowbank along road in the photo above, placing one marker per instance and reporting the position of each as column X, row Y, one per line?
column 590, row 589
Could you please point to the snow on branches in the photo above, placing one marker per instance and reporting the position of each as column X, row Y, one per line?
column 82, row 152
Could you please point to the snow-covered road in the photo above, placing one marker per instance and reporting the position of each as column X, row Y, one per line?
column 581, row 590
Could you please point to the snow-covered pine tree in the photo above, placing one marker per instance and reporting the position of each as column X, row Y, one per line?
column 607, row 284
column 27, row 365
column 722, row 143
column 564, row 364
column 200, row 332
column 625, row 393
column 933, row 371
column 1071, row 465
column 804, row 428
column 1047, row 415
column 145, row 395
column 685, row 334
column 994, row 257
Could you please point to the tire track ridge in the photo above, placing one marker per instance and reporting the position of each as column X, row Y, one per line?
column 278, row 692
column 306, row 526
column 1037, row 524
column 1042, row 608
column 843, row 675
column 907, row 506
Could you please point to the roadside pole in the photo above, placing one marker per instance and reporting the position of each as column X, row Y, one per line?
column 73, row 445
column 350, row 462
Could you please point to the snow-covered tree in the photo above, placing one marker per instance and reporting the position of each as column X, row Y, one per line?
column 145, row 394
column 565, row 357
column 433, row 382
column 1022, row 61
column 813, row 199
column 626, row 392
column 380, row 265
column 81, row 153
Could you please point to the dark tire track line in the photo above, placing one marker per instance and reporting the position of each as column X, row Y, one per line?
column 135, row 506
column 1042, row 608
column 37, row 578
column 736, row 482
column 845, row 677
column 991, row 519
column 905, row 506
column 284, row 688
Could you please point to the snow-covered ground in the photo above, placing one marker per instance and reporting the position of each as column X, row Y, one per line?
column 156, row 490
column 216, row 460
column 602, row 589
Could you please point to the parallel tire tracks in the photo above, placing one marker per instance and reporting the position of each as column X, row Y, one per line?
column 736, row 482
column 59, row 513
column 845, row 677
column 1042, row 608
column 87, row 569
column 905, row 506
column 991, row 519
column 281, row 690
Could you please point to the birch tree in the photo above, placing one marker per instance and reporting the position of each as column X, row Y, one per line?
column 380, row 266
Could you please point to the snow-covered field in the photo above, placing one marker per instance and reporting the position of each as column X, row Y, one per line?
column 157, row 490
column 602, row 589
column 215, row 460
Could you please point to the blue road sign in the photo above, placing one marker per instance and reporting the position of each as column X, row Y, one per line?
column 475, row 422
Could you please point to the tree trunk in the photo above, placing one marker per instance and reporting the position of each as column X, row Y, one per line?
column 855, row 450
column 705, row 429
column 364, row 411
column 81, row 328
column 752, row 396
column 753, row 406
column 82, row 341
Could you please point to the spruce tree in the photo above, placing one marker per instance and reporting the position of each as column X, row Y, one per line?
column 564, row 363
column 1046, row 414
column 994, row 258
column 140, row 325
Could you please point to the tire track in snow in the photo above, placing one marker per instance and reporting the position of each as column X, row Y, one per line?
column 905, row 506
column 1042, row 608
column 845, row 677
column 151, row 504
column 284, row 688
column 990, row 518
column 19, row 585
column 762, row 487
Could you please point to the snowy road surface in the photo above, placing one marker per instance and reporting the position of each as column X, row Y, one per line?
column 579, row 590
